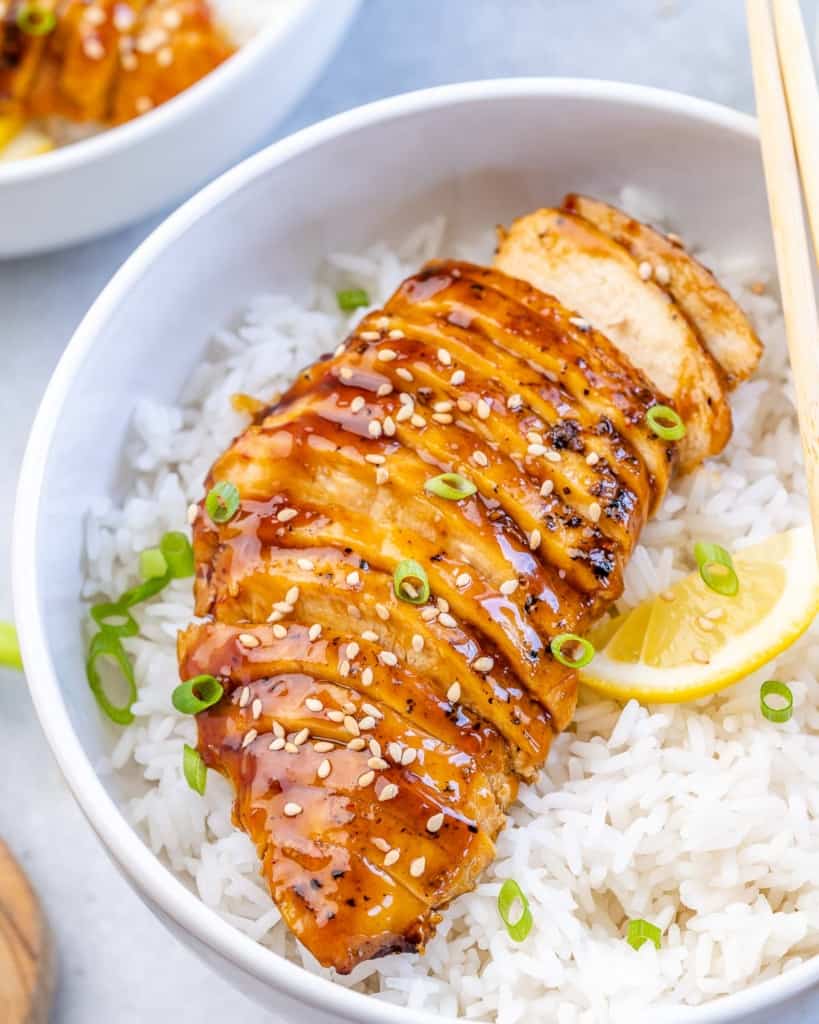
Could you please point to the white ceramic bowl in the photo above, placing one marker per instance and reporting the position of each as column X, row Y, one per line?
column 481, row 153
column 102, row 183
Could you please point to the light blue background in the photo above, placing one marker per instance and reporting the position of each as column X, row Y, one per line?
column 117, row 964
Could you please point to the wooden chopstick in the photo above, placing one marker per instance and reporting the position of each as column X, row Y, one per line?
column 802, row 95
column 793, row 256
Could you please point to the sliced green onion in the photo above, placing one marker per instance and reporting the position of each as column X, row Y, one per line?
column 640, row 931
column 197, row 694
column 9, row 647
column 222, row 502
column 665, row 422
column 140, row 593
column 451, row 486
column 773, row 688
column 35, row 20
column 195, row 769
column 152, row 564
column 716, row 568
column 178, row 553
column 114, row 617
column 352, row 298
column 510, row 894
column 410, row 582
column 107, row 644
column 586, row 650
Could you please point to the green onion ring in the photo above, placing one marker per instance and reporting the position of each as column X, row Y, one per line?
column 197, row 694
column 772, row 687
column 138, row 594
column 9, row 647
column 511, row 893
column 640, row 931
column 195, row 769
column 103, row 613
column 222, row 502
column 406, row 572
column 152, row 564
column 178, row 554
column 352, row 298
column 35, row 20
column 558, row 643
column 108, row 643
column 716, row 568
column 665, row 422
column 451, row 486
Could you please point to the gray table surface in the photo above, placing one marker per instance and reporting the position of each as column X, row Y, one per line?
column 117, row 964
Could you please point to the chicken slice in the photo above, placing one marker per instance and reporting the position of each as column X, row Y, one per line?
column 568, row 257
column 722, row 325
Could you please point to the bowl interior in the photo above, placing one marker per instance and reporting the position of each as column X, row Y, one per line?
column 479, row 154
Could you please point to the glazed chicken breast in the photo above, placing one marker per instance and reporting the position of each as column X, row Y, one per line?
column 105, row 62
column 420, row 516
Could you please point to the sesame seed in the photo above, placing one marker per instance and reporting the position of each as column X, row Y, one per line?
column 479, row 458
column 344, row 668
column 367, row 677
column 249, row 737
column 193, row 512
column 292, row 595
column 698, row 654
column 444, row 357
column 378, row 764
column 386, row 355
column 417, row 421
column 357, row 404
column 457, row 378
column 249, row 640
column 143, row 104
column 305, row 564
column 396, row 333
column 324, row 769
column 408, row 756
column 335, row 716
column 301, row 737
column 278, row 729
column 464, row 405
column 345, row 372
column 382, row 612
column 429, row 613
column 534, row 540
column 369, row 335
column 443, row 604
column 580, row 323
column 323, row 747
column 435, row 822
column 417, row 642
column 372, row 710
column 463, row 579
column 256, row 708
column 375, row 459
column 356, row 743
column 552, row 455
column 418, row 867
column 352, row 650
column 715, row 614
column 291, row 748
column 645, row 270
column 662, row 273
column 391, row 858
column 536, row 449
column 244, row 697
column 165, row 57
column 595, row 511
column 375, row 747
column 404, row 414
column 314, row 632
column 366, row 723
column 388, row 792
column 667, row 595
column 339, row 351
column 514, row 402
column 313, row 704
column 453, row 694
column 447, row 621
column 280, row 632
column 442, row 407
column 592, row 458
column 442, row 417
column 509, row 587
column 374, row 429
column 286, row 514
column 283, row 607
column 546, row 488
column 277, row 744
column 384, row 389
column 172, row 19
column 370, row 636
column 353, row 579
column 366, row 779
column 348, row 707
column 534, row 437
column 124, row 18
column 93, row 48
column 483, row 664
column 292, row 810
column 404, row 374
column 705, row 624
column 388, row 658
column 381, row 844
column 351, row 725
column 482, row 409
column 389, row 426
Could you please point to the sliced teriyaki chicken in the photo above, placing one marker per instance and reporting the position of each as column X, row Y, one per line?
column 721, row 323
column 107, row 62
column 374, row 734
column 568, row 257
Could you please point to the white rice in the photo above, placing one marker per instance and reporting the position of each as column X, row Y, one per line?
column 244, row 18
column 703, row 818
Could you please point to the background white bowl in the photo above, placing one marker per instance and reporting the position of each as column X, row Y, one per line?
column 479, row 152
column 125, row 173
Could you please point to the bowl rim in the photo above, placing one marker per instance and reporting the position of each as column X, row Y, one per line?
column 113, row 141
column 150, row 876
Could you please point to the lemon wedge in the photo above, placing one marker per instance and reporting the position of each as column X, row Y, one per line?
column 26, row 143
column 690, row 641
